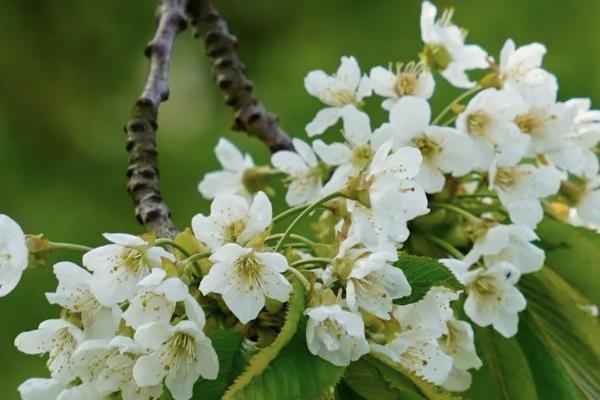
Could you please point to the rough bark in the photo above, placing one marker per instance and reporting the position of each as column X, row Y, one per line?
column 142, row 170
column 250, row 115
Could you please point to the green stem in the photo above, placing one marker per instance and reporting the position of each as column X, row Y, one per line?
column 453, row 251
column 456, row 210
column 303, row 214
column 300, row 277
column 294, row 236
column 172, row 243
column 453, row 103
column 314, row 260
column 69, row 246
column 194, row 258
column 479, row 195
column 289, row 212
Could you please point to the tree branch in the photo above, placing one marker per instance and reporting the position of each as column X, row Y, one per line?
column 250, row 115
column 142, row 170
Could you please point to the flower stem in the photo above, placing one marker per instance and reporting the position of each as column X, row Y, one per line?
column 314, row 260
column 168, row 242
column 69, row 246
column 300, row 277
column 294, row 236
column 453, row 251
column 454, row 102
column 303, row 214
column 289, row 212
column 194, row 258
column 456, row 210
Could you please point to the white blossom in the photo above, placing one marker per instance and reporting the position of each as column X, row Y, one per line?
column 520, row 189
column 417, row 350
column 493, row 299
column 371, row 281
column 41, row 389
column 118, row 267
column 376, row 234
column 412, row 79
column 305, row 179
column 459, row 344
column 351, row 157
column 58, row 338
column 74, row 293
column 180, row 355
column 107, row 365
column 156, row 299
column 548, row 125
column 585, row 137
column 83, row 391
column 521, row 69
column 489, row 119
column 588, row 206
column 445, row 48
column 443, row 149
column 245, row 277
column 233, row 220
column 13, row 254
column 230, row 180
column 510, row 243
column 345, row 87
column 335, row 335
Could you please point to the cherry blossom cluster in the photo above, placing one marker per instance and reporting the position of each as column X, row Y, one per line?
column 472, row 181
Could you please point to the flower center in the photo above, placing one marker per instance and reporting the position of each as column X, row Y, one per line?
column 183, row 346
column 487, row 287
column 333, row 327
column 342, row 97
column 249, row 268
column 133, row 259
column 362, row 156
column 429, row 148
column 436, row 56
column 506, row 177
column 528, row 123
column 477, row 123
column 5, row 255
column 234, row 230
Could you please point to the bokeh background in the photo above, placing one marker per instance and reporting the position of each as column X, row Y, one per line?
column 70, row 71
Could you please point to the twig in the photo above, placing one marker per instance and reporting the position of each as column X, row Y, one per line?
column 250, row 115
column 142, row 170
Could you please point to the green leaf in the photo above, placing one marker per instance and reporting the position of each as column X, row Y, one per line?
column 367, row 381
column 233, row 358
column 568, row 333
column 345, row 392
column 294, row 374
column 505, row 374
column 423, row 273
column 551, row 380
column 574, row 254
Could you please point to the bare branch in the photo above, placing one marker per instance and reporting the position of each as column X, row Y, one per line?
column 250, row 115
column 142, row 170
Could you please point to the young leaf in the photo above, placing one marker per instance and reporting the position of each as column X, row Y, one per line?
column 294, row 374
column 261, row 361
column 551, row 380
column 233, row 358
column 568, row 332
column 505, row 374
column 574, row 254
column 423, row 273
column 367, row 382
column 407, row 382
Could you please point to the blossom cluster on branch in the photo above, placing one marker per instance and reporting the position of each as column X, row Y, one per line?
column 466, row 189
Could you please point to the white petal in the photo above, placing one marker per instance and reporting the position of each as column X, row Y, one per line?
column 288, row 162
column 332, row 154
column 244, row 302
column 357, row 126
column 148, row 370
column 305, row 151
column 259, row 217
column 323, row 120
column 349, row 72
column 221, row 182
column 40, row 389
column 383, row 81
column 410, row 116
column 229, row 156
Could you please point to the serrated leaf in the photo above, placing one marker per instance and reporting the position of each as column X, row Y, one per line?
column 569, row 333
column 294, row 374
column 423, row 273
column 261, row 361
column 505, row 374
column 574, row 254
column 233, row 359
column 345, row 392
column 406, row 381
column 373, row 380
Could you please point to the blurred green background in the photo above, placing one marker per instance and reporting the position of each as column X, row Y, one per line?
column 70, row 71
